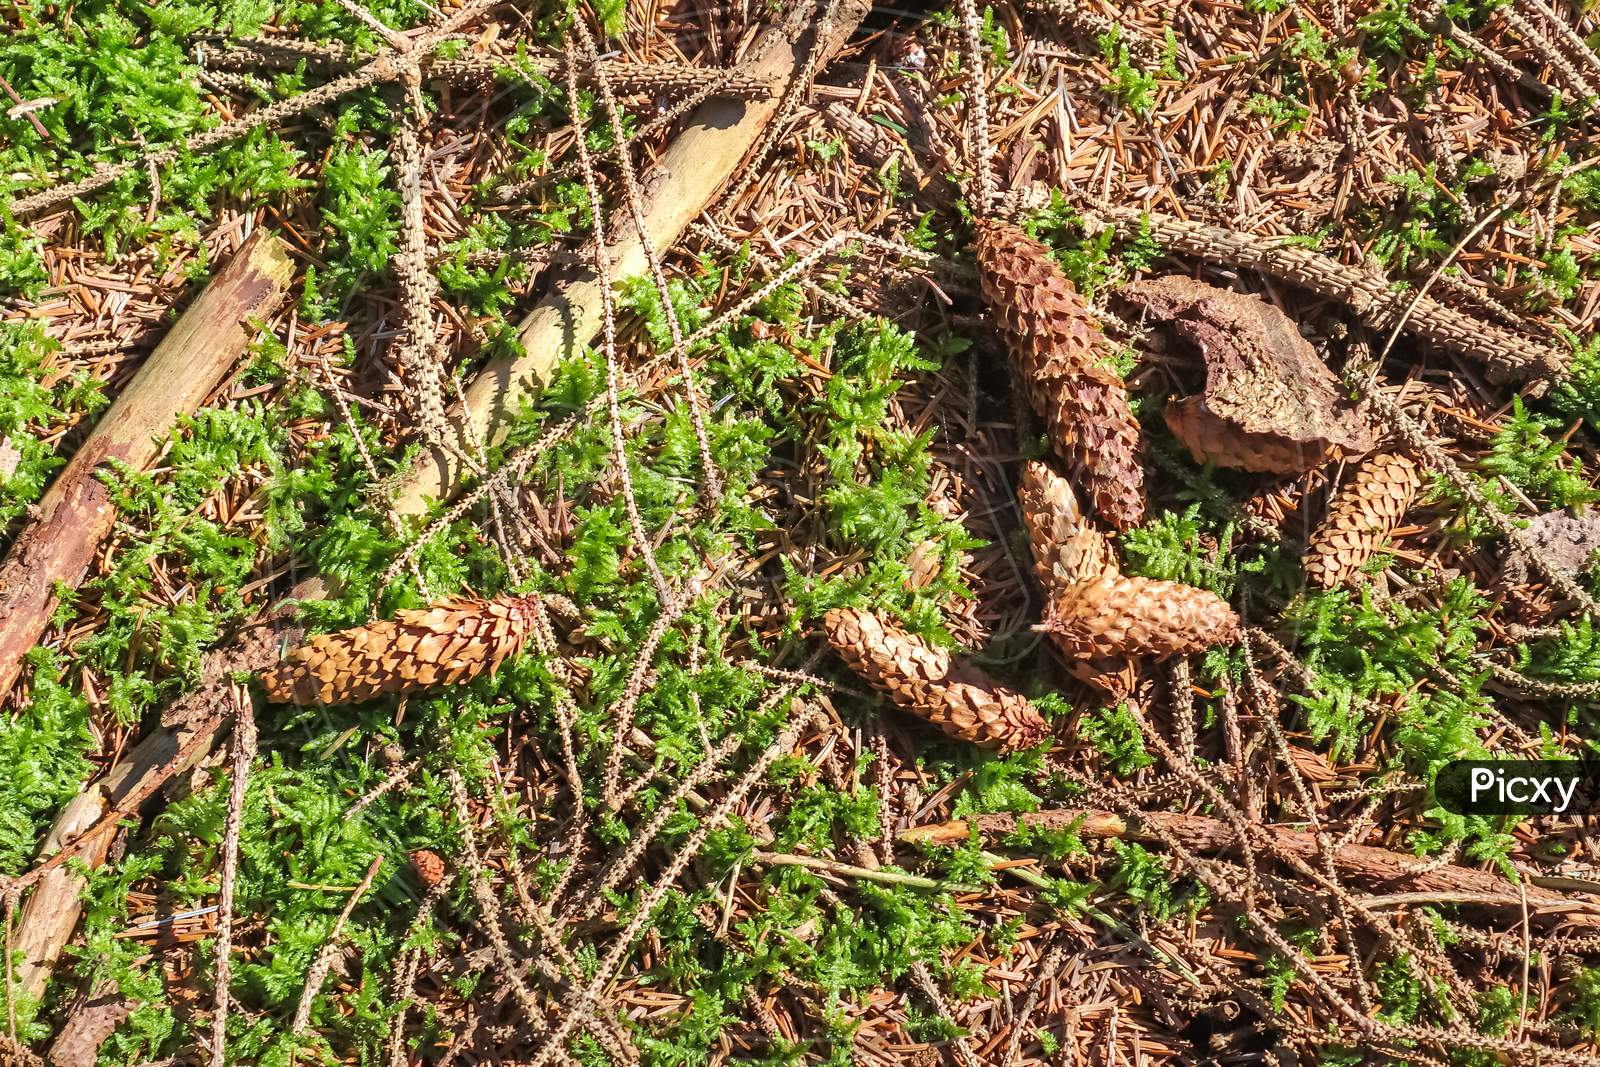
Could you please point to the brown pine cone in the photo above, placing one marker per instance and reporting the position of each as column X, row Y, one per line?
column 1210, row 440
column 1058, row 350
column 1066, row 547
column 1364, row 513
column 429, row 866
column 928, row 682
column 454, row 641
column 1120, row 616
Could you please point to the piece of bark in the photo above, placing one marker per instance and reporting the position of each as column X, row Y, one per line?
column 681, row 184
column 1567, row 541
column 76, row 513
column 1375, row 867
column 1269, row 404
column 78, row 1042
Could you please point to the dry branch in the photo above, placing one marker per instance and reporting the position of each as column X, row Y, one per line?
column 1200, row 834
column 188, row 365
column 81, row 831
column 684, row 180
column 1507, row 354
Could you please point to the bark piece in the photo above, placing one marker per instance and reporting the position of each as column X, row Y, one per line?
column 86, row 1029
column 1067, row 549
column 931, row 684
column 449, row 643
column 429, row 867
column 1269, row 403
column 1059, row 353
column 1116, row 615
column 1568, row 542
column 76, row 513
column 1364, row 513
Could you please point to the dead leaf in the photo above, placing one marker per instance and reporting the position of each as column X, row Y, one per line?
column 1269, row 403
column 78, row 1042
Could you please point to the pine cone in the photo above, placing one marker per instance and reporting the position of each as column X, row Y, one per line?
column 1067, row 549
column 1120, row 616
column 1058, row 350
column 958, row 698
column 1364, row 513
column 452, row 642
column 429, row 866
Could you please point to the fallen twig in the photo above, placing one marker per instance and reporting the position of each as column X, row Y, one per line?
column 77, row 512
column 1376, row 866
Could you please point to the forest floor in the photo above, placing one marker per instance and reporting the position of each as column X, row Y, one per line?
column 674, row 827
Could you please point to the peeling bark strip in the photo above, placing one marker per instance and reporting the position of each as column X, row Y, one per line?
column 76, row 513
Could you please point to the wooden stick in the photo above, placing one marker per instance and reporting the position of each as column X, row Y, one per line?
column 1376, row 866
column 76, row 513
column 84, row 828
column 677, row 189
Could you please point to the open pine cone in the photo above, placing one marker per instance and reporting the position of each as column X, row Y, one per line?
column 1116, row 615
column 1059, row 352
column 931, row 684
column 1363, row 515
column 454, row 641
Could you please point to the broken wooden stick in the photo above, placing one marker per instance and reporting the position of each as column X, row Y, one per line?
column 718, row 136
column 1198, row 833
column 76, row 513
column 85, row 827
